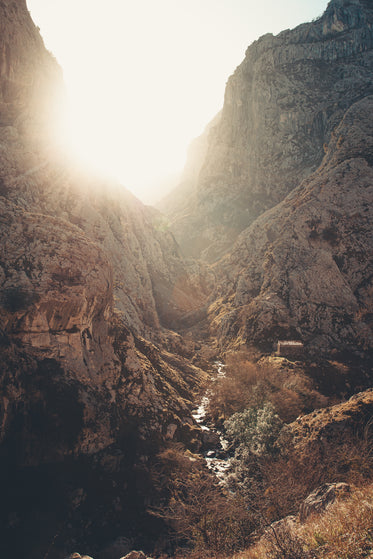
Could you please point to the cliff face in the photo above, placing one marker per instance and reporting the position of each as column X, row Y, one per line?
column 281, row 105
column 90, row 278
column 31, row 81
column 174, row 204
column 304, row 268
column 153, row 286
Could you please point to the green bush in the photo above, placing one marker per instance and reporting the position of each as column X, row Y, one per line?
column 255, row 429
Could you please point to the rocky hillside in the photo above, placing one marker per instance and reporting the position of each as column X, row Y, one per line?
column 90, row 280
column 324, row 427
column 304, row 268
column 153, row 286
column 281, row 106
column 282, row 205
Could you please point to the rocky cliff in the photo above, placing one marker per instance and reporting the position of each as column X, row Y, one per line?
column 282, row 205
column 281, row 106
column 90, row 281
column 174, row 204
column 304, row 269
column 153, row 286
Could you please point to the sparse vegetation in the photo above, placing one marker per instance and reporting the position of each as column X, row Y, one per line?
column 207, row 520
column 201, row 515
column 344, row 531
column 271, row 474
column 249, row 384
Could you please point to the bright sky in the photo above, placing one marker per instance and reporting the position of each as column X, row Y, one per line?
column 144, row 77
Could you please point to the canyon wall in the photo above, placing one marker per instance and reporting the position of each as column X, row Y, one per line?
column 281, row 105
column 282, row 204
column 91, row 281
column 303, row 269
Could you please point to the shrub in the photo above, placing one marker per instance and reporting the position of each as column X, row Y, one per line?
column 255, row 429
column 201, row 515
column 344, row 531
column 248, row 384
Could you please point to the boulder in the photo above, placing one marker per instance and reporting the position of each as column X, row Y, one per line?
column 210, row 440
column 320, row 499
column 135, row 555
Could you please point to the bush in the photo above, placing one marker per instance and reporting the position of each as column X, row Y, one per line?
column 248, row 384
column 255, row 429
column 201, row 515
column 344, row 531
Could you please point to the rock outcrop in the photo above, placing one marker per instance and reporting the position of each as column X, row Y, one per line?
column 281, row 106
column 320, row 499
column 153, row 286
column 333, row 425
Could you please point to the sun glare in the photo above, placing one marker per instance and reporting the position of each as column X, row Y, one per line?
column 136, row 154
column 143, row 78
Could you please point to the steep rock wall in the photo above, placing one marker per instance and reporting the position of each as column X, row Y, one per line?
column 304, row 268
column 281, row 105
column 174, row 204
column 88, row 275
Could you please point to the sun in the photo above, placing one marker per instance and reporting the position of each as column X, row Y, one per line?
column 131, row 112
column 121, row 139
column 144, row 77
column 132, row 108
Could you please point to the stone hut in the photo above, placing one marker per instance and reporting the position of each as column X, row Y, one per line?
column 290, row 348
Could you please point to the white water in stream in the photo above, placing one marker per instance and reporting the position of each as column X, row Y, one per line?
column 217, row 459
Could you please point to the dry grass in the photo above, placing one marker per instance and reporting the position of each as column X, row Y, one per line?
column 249, row 384
column 215, row 523
column 202, row 517
column 344, row 531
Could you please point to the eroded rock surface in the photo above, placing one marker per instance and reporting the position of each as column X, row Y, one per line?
column 320, row 499
column 335, row 423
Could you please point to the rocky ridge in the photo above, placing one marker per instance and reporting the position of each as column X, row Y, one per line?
column 325, row 426
column 281, row 106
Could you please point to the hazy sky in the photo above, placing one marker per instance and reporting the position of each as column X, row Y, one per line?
column 144, row 77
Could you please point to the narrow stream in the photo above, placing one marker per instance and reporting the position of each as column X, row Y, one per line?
column 216, row 455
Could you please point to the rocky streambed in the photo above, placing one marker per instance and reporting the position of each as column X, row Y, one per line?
column 214, row 446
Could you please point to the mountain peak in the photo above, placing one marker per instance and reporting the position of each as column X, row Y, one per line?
column 352, row 12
